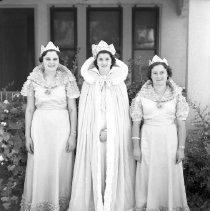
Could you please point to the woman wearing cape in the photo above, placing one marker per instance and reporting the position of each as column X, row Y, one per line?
column 104, row 168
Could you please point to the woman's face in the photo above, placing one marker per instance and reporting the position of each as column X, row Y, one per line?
column 159, row 75
column 51, row 61
column 104, row 62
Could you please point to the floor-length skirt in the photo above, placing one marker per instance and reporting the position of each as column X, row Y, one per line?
column 104, row 172
column 159, row 180
column 49, row 170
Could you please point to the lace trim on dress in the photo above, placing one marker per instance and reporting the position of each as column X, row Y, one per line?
column 27, row 89
column 136, row 110
column 46, row 206
column 173, row 91
column 72, row 89
column 182, row 108
column 163, row 209
column 63, row 77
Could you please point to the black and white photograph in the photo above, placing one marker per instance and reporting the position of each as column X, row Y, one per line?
column 104, row 105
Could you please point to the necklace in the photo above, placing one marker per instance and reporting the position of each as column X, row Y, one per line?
column 159, row 104
column 50, row 85
column 48, row 91
column 159, row 101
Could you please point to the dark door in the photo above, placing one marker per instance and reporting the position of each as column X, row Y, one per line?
column 16, row 46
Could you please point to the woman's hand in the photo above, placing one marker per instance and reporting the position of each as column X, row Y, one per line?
column 103, row 135
column 137, row 154
column 29, row 145
column 71, row 143
column 179, row 155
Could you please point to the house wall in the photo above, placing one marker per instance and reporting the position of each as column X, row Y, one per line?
column 173, row 27
column 198, row 80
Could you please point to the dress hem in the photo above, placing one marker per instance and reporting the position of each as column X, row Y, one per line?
column 45, row 205
column 162, row 209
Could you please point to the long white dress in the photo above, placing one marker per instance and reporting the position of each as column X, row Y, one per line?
column 104, row 172
column 50, row 169
column 159, row 180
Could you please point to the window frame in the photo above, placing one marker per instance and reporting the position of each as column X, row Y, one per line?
column 156, row 10
column 155, row 49
column 64, row 9
column 104, row 9
column 30, row 12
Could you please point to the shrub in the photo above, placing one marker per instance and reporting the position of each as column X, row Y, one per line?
column 134, row 87
column 197, row 162
column 13, row 154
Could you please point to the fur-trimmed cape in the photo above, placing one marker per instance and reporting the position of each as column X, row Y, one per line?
column 86, row 187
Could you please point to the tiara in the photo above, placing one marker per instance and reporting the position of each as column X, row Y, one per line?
column 49, row 46
column 102, row 46
column 157, row 59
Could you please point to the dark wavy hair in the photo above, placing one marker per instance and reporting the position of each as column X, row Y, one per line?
column 104, row 51
column 168, row 69
column 61, row 61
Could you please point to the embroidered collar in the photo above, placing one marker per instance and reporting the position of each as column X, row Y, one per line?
column 172, row 91
column 63, row 76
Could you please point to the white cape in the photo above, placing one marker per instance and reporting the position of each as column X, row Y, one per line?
column 86, row 187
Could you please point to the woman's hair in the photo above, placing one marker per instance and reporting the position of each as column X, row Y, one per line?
column 61, row 61
column 168, row 69
column 112, row 58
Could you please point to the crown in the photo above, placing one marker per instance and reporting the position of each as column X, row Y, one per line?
column 157, row 59
column 49, row 46
column 102, row 46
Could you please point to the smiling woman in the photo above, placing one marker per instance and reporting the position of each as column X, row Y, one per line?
column 104, row 62
column 158, row 113
column 104, row 170
column 51, row 90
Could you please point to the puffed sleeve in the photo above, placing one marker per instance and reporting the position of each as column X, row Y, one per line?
column 28, row 88
column 136, row 110
column 72, row 89
column 182, row 108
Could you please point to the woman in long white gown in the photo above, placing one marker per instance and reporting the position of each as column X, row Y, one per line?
column 104, row 167
column 51, row 121
column 159, row 146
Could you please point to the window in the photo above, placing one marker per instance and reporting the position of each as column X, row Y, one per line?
column 145, row 40
column 63, row 32
column 104, row 24
column 16, row 46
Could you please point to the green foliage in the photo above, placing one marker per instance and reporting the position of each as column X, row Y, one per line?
column 197, row 162
column 9, row 86
column 13, row 155
column 134, row 87
column 75, row 70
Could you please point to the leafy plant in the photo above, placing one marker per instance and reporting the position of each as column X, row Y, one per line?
column 8, row 86
column 134, row 87
column 197, row 163
column 74, row 68
column 13, row 155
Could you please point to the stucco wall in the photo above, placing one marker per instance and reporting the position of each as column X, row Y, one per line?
column 198, row 80
column 173, row 43
column 173, row 27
